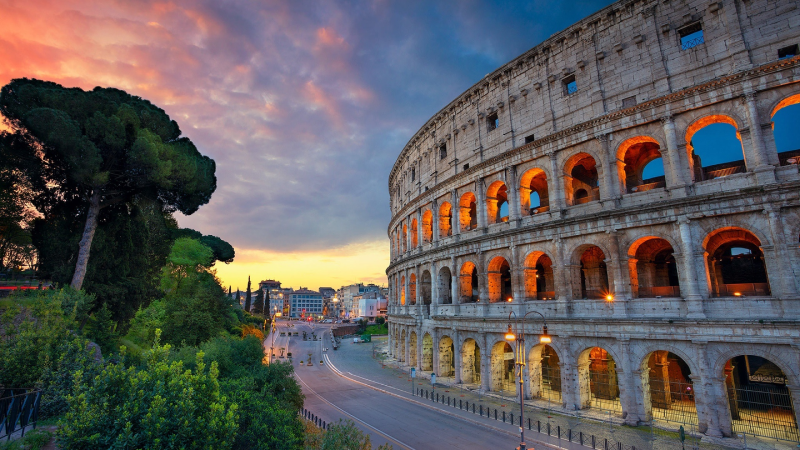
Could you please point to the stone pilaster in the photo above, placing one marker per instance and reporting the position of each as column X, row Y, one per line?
column 690, row 289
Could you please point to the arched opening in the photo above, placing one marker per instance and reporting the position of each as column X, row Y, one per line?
column 426, row 288
column 736, row 263
column 401, row 351
column 539, row 283
column 785, row 118
column 593, row 274
column 412, row 349
column 640, row 165
column 445, row 220
column 412, row 289
column 597, row 380
column 715, row 148
column 427, row 227
column 582, row 179
column 414, row 241
column 427, row 353
column 470, row 362
column 447, row 362
column 759, row 402
column 398, row 247
column 405, row 238
column 545, row 374
column 468, row 212
column 497, row 202
column 533, row 192
column 652, row 268
column 502, row 368
column 445, row 281
column 468, row 283
column 499, row 280
column 668, row 389
column 403, row 290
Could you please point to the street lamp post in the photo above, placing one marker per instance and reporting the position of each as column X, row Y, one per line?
column 544, row 338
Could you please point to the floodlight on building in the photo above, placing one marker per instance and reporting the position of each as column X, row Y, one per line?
column 737, row 294
column 609, row 298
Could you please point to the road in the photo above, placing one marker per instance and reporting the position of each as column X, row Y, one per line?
column 389, row 416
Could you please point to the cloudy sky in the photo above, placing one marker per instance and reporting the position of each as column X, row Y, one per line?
column 304, row 105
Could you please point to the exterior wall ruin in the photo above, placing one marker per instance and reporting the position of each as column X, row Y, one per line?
column 648, row 248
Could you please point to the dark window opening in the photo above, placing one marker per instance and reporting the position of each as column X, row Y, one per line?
column 691, row 36
column 492, row 122
column 629, row 102
column 570, row 85
column 529, row 139
column 788, row 52
column 443, row 151
column 466, row 166
column 413, row 174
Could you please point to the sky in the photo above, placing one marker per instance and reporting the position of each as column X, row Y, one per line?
column 304, row 105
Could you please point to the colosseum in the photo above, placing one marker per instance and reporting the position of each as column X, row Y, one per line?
column 621, row 181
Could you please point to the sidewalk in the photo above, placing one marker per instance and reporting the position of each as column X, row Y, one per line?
column 357, row 359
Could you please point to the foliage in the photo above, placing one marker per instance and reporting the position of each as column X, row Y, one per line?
column 32, row 330
column 380, row 320
column 33, row 440
column 16, row 192
column 376, row 329
column 250, row 330
column 103, row 148
column 264, row 422
column 362, row 326
column 343, row 435
column 57, row 381
column 146, row 321
column 223, row 251
column 161, row 406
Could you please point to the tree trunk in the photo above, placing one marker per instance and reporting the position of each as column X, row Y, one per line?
column 86, row 241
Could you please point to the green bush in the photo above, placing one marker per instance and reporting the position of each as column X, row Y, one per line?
column 380, row 320
column 161, row 406
column 343, row 435
column 76, row 358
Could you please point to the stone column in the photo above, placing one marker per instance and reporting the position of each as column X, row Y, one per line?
column 627, row 388
column 435, row 352
column 608, row 186
column 405, row 290
column 678, row 175
column 455, row 209
column 765, row 173
column 709, row 394
column 794, row 392
column 480, row 195
column 557, row 184
column 420, row 238
column 454, row 277
column 563, row 292
column 457, row 357
column 620, row 297
column 434, row 288
column 486, row 369
column 435, row 222
column 690, row 289
column 513, row 196
column 517, row 288
column 418, row 272
column 787, row 286
column 407, row 348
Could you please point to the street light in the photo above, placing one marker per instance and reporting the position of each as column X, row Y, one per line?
column 544, row 338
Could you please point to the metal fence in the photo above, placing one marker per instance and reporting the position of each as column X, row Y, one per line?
column 567, row 434
column 672, row 401
column 19, row 409
column 604, row 390
column 763, row 411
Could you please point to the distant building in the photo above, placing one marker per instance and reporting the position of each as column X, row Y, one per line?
column 305, row 301
column 346, row 294
column 370, row 306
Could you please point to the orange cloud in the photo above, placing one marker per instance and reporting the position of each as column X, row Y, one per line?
column 329, row 38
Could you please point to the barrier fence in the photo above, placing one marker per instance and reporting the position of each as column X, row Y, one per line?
column 19, row 409
column 308, row 415
column 567, row 434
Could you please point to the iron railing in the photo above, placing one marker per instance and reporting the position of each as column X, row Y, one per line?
column 763, row 410
column 604, row 391
column 19, row 409
column 672, row 401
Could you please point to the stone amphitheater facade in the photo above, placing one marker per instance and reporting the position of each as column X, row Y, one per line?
column 526, row 194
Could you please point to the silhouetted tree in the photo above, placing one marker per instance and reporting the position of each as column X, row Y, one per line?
column 258, row 307
column 104, row 148
column 248, row 297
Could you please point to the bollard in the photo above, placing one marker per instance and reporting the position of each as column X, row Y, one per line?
column 559, row 431
column 548, row 428
column 448, row 401
column 538, row 426
column 512, row 418
column 323, row 424
column 592, row 441
column 473, row 407
column 481, row 409
column 580, row 437
column 437, row 398
column 495, row 414
column 569, row 435
column 529, row 423
column 606, row 444
column 460, row 406
column 504, row 417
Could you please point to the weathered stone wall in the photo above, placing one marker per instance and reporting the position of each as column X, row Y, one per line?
column 609, row 275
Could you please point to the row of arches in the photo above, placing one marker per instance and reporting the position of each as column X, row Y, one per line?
column 758, row 400
column 713, row 147
column 734, row 262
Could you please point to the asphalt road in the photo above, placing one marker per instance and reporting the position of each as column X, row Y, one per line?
column 390, row 417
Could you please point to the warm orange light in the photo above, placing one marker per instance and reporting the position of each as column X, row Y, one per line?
column 277, row 314
column 737, row 294
column 509, row 299
column 545, row 338
column 510, row 334
column 609, row 298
